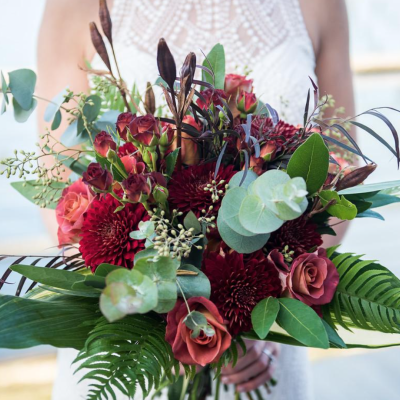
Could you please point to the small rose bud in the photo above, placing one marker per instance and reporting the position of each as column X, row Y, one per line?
column 122, row 124
column 247, row 102
column 135, row 187
column 98, row 177
column 103, row 142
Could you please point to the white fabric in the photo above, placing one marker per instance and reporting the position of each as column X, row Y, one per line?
column 268, row 36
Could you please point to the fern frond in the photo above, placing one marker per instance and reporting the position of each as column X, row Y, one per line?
column 367, row 297
column 126, row 354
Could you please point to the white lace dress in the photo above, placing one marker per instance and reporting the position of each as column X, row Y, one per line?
column 268, row 37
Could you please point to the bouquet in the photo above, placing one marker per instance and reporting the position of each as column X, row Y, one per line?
column 190, row 226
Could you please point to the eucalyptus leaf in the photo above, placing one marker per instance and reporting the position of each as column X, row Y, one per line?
column 21, row 115
column 4, row 87
column 149, row 252
column 251, row 176
column 105, row 269
column 57, row 121
column 22, row 85
column 193, row 285
column 54, row 106
column 191, row 221
column 311, row 162
column 91, row 111
column 264, row 315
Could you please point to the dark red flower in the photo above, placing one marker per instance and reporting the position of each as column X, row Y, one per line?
column 247, row 102
column 187, row 188
column 103, row 142
column 97, row 177
column 105, row 234
column 135, row 186
column 238, row 283
column 123, row 122
column 128, row 149
column 211, row 96
column 143, row 129
column 300, row 235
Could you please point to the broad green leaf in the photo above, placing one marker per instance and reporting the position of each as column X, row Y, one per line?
column 22, row 85
column 230, row 210
column 61, row 321
column 264, row 315
column 105, row 269
column 163, row 273
column 194, row 285
column 311, row 162
column 149, row 252
column 256, row 217
column 343, row 208
column 79, row 166
column 22, row 115
column 372, row 187
column 3, row 107
column 215, row 61
column 170, row 161
column 303, row 323
column 370, row 214
column 29, row 189
column 118, row 175
column 333, row 337
column 382, row 199
column 241, row 244
column 237, row 178
column 91, row 111
column 191, row 221
column 54, row 106
column 57, row 121
column 4, row 87
column 75, row 134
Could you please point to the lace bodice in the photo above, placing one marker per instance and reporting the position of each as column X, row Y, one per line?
column 267, row 37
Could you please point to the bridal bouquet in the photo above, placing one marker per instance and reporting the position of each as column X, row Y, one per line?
column 188, row 228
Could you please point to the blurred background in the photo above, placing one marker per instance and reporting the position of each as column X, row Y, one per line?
column 375, row 53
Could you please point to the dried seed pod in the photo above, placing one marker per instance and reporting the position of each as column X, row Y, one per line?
column 187, row 72
column 99, row 45
column 150, row 100
column 355, row 177
column 166, row 63
column 105, row 20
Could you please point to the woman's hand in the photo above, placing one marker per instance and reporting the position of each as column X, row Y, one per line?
column 253, row 369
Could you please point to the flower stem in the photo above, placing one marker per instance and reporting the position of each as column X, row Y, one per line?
column 217, row 388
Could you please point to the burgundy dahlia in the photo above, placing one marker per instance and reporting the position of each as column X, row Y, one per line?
column 105, row 234
column 300, row 235
column 186, row 188
column 238, row 283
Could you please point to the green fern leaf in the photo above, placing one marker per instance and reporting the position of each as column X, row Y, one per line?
column 367, row 297
column 126, row 354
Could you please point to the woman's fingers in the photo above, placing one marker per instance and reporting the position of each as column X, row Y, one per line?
column 257, row 381
column 252, row 354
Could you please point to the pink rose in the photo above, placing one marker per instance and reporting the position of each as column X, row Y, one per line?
column 73, row 204
column 103, row 142
column 313, row 278
column 203, row 349
column 235, row 83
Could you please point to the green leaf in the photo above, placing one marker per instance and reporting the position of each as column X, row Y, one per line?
column 75, row 134
column 105, row 269
column 370, row 214
column 57, row 121
column 22, row 85
column 311, row 162
column 372, row 187
column 334, row 338
column 163, row 273
column 149, row 252
column 216, row 62
column 382, row 199
column 264, row 315
column 20, row 114
column 4, row 87
column 91, row 112
column 61, row 321
column 170, row 161
column 118, row 176
column 53, row 107
column 303, row 323
column 237, row 178
column 29, row 189
column 241, row 244
column 191, row 221
column 343, row 208
column 256, row 217
column 79, row 166
column 194, row 285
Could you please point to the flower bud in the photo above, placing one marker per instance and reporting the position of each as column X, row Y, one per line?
column 166, row 63
column 103, row 142
column 123, row 121
column 105, row 20
column 247, row 103
column 98, row 177
column 99, row 45
column 149, row 99
column 135, row 187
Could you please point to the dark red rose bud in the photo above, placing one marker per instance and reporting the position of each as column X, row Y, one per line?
column 123, row 122
column 99, row 45
column 355, row 177
column 247, row 102
column 211, row 96
column 103, row 142
column 135, row 186
column 166, row 63
column 98, row 177
column 105, row 20
column 144, row 128
column 150, row 100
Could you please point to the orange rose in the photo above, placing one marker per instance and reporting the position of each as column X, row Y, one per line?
column 203, row 349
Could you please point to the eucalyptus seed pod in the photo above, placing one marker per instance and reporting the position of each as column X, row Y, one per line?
column 99, row 45
column 105, row 20
column 187, row 72
column 150, row 100
column 166, row 63
column 355, row 177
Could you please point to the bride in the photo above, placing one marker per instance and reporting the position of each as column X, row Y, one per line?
column 283, row 41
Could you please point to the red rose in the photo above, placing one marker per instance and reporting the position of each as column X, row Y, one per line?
column 211, row 96
column 144, row 128
column 202, row 350
column 235, row 83
column 247, row 102
column 135, row 186
column 98, row 177
column 123, row 122
column 103, row 142
column 313, row 278
column 73, row 204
